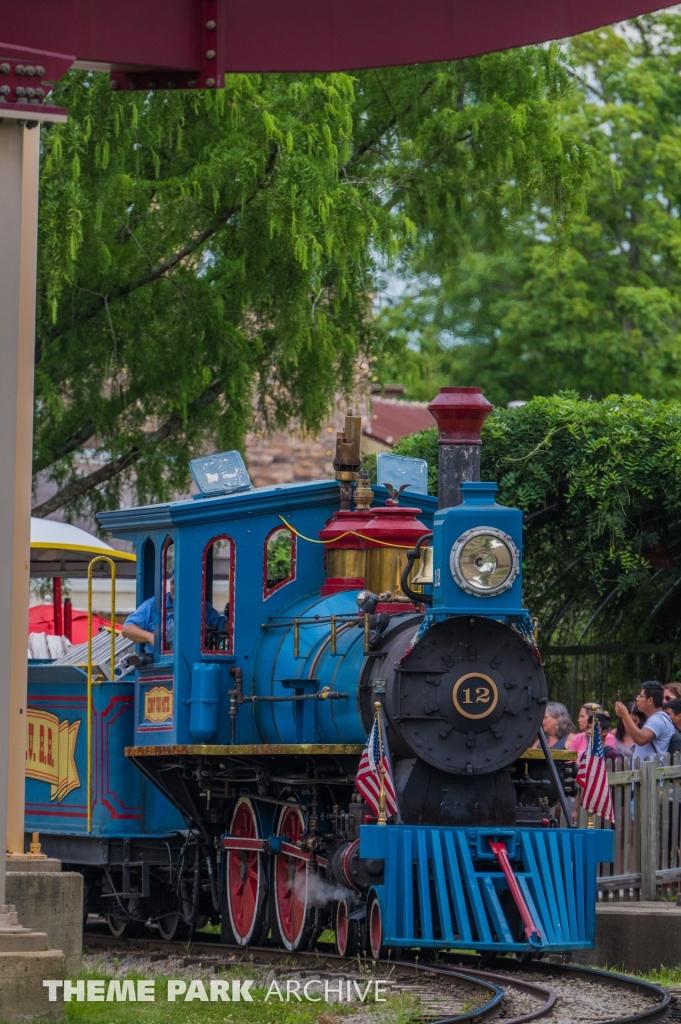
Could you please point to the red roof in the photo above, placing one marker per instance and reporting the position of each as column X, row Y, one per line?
column 392, row 420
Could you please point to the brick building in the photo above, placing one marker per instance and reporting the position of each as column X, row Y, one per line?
column 286, row 456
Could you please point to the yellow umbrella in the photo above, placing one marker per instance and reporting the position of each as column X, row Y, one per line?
column 59, row 549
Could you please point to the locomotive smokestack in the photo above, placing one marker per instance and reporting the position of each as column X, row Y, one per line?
column 460, row 414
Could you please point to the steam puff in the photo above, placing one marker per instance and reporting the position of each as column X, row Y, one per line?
column 321, row 893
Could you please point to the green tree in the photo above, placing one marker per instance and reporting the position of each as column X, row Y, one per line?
column 460, row 146
column 521, row 315
column 196, row 250
column 202, row 253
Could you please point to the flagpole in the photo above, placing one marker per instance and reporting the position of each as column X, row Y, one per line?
column 589, row 753
column 381, row 795
column 592, row 777
column 388, row 759
column 389, row 762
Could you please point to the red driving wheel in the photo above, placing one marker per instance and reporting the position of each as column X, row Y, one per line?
column 291, row 884
column 244, row 876
column 341, row 927
column 348, row 938
column 375, row 931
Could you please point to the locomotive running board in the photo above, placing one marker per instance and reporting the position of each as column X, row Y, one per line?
column 248, row 750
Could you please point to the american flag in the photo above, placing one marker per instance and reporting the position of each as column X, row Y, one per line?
column 593, row 778
column 368, row 780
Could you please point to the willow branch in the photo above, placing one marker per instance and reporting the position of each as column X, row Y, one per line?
column 161, row 269
column 370, row 143
column 59, row 448
column 81, row 486
column 71, row 444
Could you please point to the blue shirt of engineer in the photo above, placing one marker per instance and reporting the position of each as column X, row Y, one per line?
column 144, row 619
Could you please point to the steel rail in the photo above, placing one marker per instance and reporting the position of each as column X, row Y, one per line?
column 529, row 987
column 465, row 969
column 660, row 1011
column 481, row 979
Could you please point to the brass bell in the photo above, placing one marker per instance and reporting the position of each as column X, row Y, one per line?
column 425, row 573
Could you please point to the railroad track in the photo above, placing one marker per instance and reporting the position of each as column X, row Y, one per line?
column 416, row 976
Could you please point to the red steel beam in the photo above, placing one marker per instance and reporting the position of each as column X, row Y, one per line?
column 292, row 35
column 295, row 35
column 129, row 32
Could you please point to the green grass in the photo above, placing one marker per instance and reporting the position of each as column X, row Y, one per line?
column 663, row 976
column 666, row 976
column 396, row 1010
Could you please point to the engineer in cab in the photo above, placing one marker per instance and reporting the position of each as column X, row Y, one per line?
column 139, row 627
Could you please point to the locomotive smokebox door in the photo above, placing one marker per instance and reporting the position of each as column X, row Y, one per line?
column 468, row 699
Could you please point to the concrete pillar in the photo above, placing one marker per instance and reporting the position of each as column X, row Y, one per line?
column 19, row 167
column 19, row 153
column 22, row 995
column 25, row 961
column 633, row 937
column 24, row 955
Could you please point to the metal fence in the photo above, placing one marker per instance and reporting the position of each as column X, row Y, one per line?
column 646, row 799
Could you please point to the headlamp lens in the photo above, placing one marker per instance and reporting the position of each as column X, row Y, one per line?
column 485, row 562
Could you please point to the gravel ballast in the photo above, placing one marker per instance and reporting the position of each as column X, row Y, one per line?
column 579, row 1001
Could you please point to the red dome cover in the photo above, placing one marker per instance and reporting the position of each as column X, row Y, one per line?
column 340, row 523
column 394, row 524
column 460, row 414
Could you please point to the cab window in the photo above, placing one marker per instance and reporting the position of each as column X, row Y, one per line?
column 280, row 559
column 168, row 597
column 218, row 592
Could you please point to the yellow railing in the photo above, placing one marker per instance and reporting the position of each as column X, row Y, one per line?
column 112, row 564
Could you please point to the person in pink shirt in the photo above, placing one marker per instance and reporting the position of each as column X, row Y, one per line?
column 624, row 742
column 580, row 741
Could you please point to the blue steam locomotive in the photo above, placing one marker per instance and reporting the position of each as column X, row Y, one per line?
column 221, row 784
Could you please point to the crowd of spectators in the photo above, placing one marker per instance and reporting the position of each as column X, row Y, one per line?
column 648, row 727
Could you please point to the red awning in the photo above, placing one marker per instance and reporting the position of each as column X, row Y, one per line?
column 41, row 620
